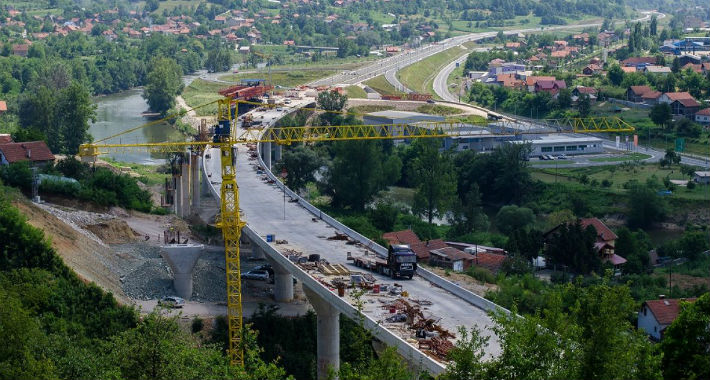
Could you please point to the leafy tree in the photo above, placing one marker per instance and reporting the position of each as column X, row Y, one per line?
column 692, row 244
column 75, row 109
column 633, row 249
column 584, row 105
column 355, row 174
column 17, row 174
column 686, row 342
column 333, row 102
column 672, row 157
column 467, row 214
column 218, row 60
column 163, row 84
column 301, row 164
column 434, row 177
column 384, row 216
column 661, row 114
column 526, row 243
column 465, row 358
column 573, row 246
column 653, row 28
column 615, row 75
column 512, row 217
column 645, row 207
column 564, row 98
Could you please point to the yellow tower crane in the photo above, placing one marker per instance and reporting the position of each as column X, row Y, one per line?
column 231, row 222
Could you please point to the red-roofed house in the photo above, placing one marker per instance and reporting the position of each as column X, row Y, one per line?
column 491, row 261
column 635, row 93
column 420, row 248
column 628, row 69
column 35, row 151
column 551, row 86
column 656, row 315
column 703, row 116
column 670, row 97
column 5, row 138
column 532, row 80
column 452, row 258
column 605, row 243
column 3, row 107
column 639, row 61
column 685, row 107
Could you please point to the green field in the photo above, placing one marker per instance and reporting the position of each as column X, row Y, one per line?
column 436, row 109
column 355, row 92
column 200, row 92
column 381, row 85
column 618, row 175
column 419, row 77
column 361, row 110
column 286, row 79
column 624, row 157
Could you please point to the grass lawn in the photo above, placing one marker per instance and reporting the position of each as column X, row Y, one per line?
column 624, row 157
column 200, row 92
column 435, row 109
column 287, row 79
column 369, row 108
column 618, row 175
column 470, row 119
column 148, row 173
column 419, row 77
column 381, row 85
column 355, row 92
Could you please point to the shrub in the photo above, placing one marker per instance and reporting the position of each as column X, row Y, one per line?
column 481, row 274
column 690, row 185
column 197, row 325
column 60, row 187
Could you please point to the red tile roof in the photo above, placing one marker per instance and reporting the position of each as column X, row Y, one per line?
column 666, row 310
column 704, row 112
column 490, row 261
column 452, row 253
column 36, row 150
column 688, row 102
column 3, row 106
column 5, row 138
column 602, row 230
column 531, row 80
column 401, row 237
column 422, row 248
column 640, row 90
column 673, row 96
column 639, row 60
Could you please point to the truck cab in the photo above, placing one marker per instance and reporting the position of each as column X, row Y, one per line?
column 401, row 261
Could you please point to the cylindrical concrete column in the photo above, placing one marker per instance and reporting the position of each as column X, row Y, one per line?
column 327, row 334
column 182, row 259
column 278, row 152
column 185, row 168
column 283, row 281
column 177, row 195
column 267, row 154
column 195, row 168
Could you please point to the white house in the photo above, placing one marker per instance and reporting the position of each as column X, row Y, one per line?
column 703, row 116
column 701, row 177
column 656, row 315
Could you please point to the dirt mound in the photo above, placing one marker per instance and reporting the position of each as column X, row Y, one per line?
column 112, row 231
column 84, row 253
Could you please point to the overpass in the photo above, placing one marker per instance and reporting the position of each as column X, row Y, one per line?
column 299, row 227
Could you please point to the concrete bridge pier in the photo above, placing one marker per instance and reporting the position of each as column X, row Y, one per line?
column 327, row 335
column 267, row 154
column 185, row 177
column 283, row 281
column 177, row 195
column 182, row 259
column 278, row 152
column 195, row 164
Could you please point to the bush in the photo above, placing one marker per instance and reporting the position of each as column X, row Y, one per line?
column 606, row 183
column 60, row 187
column 690, row 185
column 481, row 274
column 197, row 325
column 17, row 174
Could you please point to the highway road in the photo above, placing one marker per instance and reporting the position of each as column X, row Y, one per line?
column 411, row 56
column 264, row 207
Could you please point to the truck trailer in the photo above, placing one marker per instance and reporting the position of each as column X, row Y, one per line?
column 401, row 261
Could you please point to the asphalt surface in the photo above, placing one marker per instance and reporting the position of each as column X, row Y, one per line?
column 263, row 207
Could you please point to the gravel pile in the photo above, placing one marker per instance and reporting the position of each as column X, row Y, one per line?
column 76, row 219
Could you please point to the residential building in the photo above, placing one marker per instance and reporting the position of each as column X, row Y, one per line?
column 591, row 69
column 653, row 69
column 701, row 177
column 530, row 81
column 581, row 90
column 703, row 117
column 685, row 107
column 35, row 151
column 551, row 86
column 491, row 261
column 639, row 62
column 656, row 315
column 5, row 138
column 421, row 248
column 3, row 107
column 495, row 68
column 635, row 93
column 670, row 97
column 451, row 258
column 606, row 241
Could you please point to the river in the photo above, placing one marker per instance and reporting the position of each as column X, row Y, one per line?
column 121, row 111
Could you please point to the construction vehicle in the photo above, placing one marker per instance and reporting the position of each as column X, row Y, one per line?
column 226, row 137
column 401, row 261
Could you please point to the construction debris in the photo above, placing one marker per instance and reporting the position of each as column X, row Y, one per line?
column 338, row 236
column 330, row 270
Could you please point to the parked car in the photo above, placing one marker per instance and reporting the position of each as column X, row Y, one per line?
column 430, row 101
column 172, row 302
column 256, row 274
column 543, row 157
column 562, row 157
